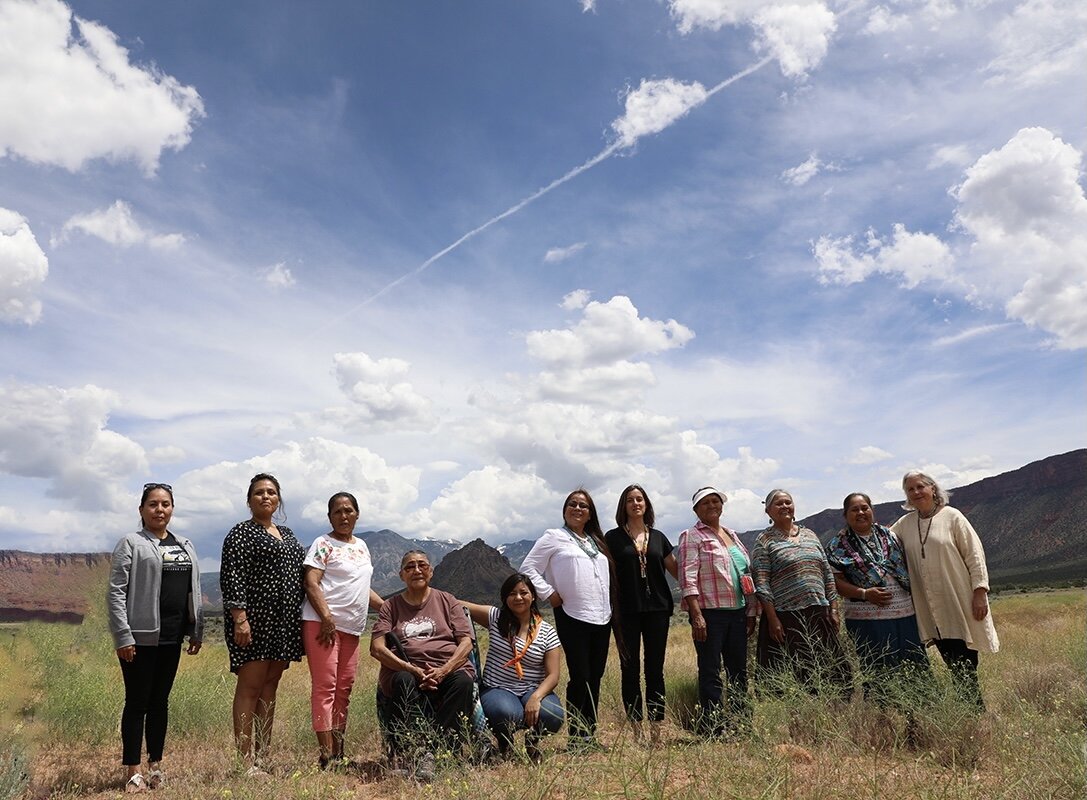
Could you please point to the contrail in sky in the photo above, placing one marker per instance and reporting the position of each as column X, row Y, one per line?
column 603, row 155
column 607, row 152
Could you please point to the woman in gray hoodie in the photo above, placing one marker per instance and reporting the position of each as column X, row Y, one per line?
column 153, row 602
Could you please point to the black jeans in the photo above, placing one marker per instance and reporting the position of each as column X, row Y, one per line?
column 586, row 648
column 148, row 678
column 414, row 714
column 726, row 642
column 962, row 663
column 648, row 629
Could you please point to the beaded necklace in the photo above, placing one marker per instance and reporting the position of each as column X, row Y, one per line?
column 586, row 542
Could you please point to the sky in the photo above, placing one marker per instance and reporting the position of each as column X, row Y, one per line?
column 461, row 258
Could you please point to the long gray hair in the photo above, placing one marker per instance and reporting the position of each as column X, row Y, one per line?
column 939, row 494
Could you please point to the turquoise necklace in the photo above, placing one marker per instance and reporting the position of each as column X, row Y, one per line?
column 586, row 543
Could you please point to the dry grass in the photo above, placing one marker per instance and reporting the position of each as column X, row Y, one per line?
column 60, row 699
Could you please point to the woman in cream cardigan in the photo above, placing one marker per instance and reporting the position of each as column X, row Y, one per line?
column 948, row 580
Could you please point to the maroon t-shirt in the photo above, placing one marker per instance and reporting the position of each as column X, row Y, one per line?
column 429, row 632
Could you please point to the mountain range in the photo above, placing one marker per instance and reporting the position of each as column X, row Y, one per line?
column 1030, row 521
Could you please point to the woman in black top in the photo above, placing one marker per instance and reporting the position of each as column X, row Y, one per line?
column 261, row 580
column 642, row 554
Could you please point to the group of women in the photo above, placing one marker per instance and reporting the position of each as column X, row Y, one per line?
column 921, row 581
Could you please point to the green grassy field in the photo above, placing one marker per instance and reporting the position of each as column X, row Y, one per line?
column 61, row 696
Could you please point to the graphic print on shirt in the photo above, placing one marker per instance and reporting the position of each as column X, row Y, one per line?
column 419, row 628
column 174, row 557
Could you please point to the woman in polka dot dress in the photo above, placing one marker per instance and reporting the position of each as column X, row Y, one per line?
column 261, row 581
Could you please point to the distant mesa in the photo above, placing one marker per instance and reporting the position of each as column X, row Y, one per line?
column 1030, row 520
column 48, row 587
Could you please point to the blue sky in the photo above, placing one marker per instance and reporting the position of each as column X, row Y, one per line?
column 866, row 253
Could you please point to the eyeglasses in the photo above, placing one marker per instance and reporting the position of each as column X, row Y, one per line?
column 149, row 486
column 421, row 566
column 576, row 504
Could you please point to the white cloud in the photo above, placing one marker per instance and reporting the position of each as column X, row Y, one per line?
column 586, row 420
column 23, row 269
column 576, row 299
column 557, row 254
column 309, row 471
column 970, row 470
column 607, row 332
column 796, row 34
column 587, row 6
column 617, row 384
column 935, row 12
column 53, row 530
column 495, row 503
column 1025, row 215
column 61, row 435
column 379, row 398
column 720, row 391
column 1026, row 210
column 1041, row 41
column 116, row 225
column 655, row 105
column 70, row 93
column 869, row 454
column 913, row 257
column 166, row 454
column 956, row 155
column 279, row 276
column 802, row 173
column 712, row 14
column 882, row 20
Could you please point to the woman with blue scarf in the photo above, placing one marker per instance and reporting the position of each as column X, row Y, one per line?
column 869, row 567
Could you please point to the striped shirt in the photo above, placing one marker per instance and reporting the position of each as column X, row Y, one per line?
column 707, row 569
column 497, row 676
column 792, row 572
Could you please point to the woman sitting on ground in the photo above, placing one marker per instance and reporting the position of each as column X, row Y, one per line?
column 431, row 685
column 522, row 667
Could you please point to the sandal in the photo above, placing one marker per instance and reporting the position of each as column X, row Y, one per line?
column 135, row 784
column 156, row 779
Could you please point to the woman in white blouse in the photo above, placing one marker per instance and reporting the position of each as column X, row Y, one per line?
column 570, row 568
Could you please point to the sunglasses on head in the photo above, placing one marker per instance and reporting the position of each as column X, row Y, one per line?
column 149, row 486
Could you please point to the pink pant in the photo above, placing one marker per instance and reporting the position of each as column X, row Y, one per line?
column 332, row 673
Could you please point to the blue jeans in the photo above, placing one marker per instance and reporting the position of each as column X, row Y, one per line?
column 506, row 713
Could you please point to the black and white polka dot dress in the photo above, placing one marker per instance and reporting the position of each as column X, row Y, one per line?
column 263, row 575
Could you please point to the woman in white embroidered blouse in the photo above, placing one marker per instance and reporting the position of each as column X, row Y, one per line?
column 570, row 568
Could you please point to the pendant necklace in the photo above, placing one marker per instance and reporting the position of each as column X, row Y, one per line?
column 640, row 549
column 924, row 537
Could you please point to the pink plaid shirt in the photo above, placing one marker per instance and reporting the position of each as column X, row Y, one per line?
column 705, row 568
